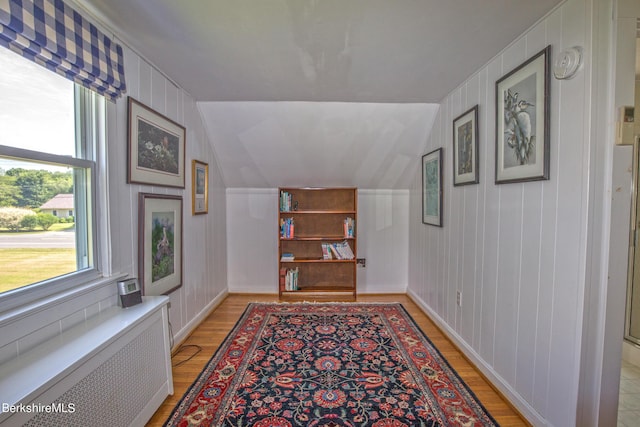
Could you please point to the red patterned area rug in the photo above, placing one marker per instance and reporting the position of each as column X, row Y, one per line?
column 328, row 365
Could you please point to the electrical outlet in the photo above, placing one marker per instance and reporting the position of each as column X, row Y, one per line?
column 459, row 298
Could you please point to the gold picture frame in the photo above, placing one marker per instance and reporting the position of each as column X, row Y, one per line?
column 199, row 187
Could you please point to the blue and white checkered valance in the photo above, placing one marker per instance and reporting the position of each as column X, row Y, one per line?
column 54, row 35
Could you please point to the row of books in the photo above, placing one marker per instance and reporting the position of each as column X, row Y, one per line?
column 289, row 279
column 286, row 202
column 286, row 228
column 349, row 227
column 337, row 251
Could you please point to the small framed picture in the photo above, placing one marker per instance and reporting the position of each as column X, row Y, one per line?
column 465, row 148
column 156, row 148
column 432, row 188
column 199, row 187
column 159, row 243
column 522, row 121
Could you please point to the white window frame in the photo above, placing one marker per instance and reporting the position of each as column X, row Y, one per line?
column 90, row 120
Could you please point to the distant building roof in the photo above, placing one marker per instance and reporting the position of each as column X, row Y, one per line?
column 61, row 201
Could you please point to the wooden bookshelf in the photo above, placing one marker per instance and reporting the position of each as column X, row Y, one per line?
column 317, row 216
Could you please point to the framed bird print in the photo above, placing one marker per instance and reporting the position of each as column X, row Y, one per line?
column 199, row 187
column 465, row 148
column 159, row 243
column 522, row 121
column 432, row 188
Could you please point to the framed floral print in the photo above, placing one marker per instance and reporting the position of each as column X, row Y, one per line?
column 156, row 148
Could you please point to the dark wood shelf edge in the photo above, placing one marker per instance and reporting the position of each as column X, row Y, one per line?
column 318, row 212
column 317, row 260
column 318, row 294
column 315, row 238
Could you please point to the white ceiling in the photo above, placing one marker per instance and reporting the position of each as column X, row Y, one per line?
column 320, row 50
column 331, row 61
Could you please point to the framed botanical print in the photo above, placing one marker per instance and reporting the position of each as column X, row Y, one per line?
column 465, row 148
column 522, row 121
column 159, row 243
column 432, row 188
column 199, row 187
column 156, row 148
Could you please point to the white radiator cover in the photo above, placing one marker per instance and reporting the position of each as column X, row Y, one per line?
column 121, row 384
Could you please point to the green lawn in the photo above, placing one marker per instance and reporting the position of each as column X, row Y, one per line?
column 23, row 266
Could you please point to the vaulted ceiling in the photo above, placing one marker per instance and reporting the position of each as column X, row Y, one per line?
column 297, row 75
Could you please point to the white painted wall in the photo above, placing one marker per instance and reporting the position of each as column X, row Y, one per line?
column 320, row 144
column 204, row 257
column 516, row 251
column 383, row 240
column 204, row 240
column 252, row 240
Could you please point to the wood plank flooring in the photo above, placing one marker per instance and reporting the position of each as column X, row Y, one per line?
column 212, row 331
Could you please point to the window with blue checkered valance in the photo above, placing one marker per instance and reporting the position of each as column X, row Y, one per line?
column 54, row 35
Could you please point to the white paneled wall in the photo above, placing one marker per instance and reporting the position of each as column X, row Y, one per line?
column 204, row 257
column 515, row 251
column 204, row 245
column 252, row 240
column 383, row 240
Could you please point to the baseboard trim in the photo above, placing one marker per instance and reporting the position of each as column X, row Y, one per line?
column 508, row 394
column 184, row 333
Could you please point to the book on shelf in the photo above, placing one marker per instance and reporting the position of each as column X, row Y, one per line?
column 349, row 226
column 291, row 279
column 326, row 253
column 333, row 252
column 286, row 201
column 287, row 228
column 286, row 256
column 340, row 250
column 348, row 253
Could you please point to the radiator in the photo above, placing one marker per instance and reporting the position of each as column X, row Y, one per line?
column 122, row 384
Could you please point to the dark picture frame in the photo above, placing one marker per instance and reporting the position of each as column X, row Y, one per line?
column 522, row 121
column 199, row 187
column 156, row 148
column 466, row 161
column 432, row 194
column 159, row 243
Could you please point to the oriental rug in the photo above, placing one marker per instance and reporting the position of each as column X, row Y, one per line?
column 328, row 365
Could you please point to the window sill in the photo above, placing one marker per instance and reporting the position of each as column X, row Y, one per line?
column 26, row 303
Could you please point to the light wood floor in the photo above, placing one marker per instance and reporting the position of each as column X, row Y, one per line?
column 212, row 331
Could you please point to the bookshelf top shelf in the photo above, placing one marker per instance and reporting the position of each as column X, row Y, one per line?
column 306, row 260
column 318, row 200
column 325, row 211
column 317, row 238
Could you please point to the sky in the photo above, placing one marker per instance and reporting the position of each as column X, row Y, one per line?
column 36, row 108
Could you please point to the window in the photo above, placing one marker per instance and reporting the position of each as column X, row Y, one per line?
column 47, row 167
